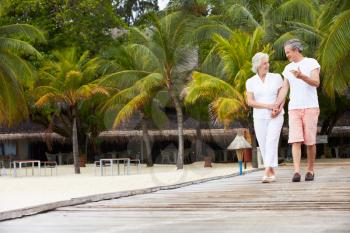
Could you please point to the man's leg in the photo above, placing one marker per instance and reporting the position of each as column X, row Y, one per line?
column 310, row 131
column 296, row 151
column 311, row 156
column 296, row 138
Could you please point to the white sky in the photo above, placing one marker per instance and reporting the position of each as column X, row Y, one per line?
column 162, row 4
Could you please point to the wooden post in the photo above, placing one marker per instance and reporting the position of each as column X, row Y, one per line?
column 225, row 155
column 239, row 153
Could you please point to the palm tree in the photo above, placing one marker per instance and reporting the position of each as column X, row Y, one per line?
column 65, row 83
column 171, row 59
column 273, row 17
column 15, row 71
column 137, row 85
column 334, row 51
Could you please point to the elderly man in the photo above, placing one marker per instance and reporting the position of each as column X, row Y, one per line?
column 302, row 76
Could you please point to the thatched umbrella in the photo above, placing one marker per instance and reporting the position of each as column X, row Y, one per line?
column 239, row 144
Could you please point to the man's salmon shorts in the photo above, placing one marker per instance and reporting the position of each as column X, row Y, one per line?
column 303, row 125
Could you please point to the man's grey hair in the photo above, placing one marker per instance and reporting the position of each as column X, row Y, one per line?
column 257, row 59
column 295, row 44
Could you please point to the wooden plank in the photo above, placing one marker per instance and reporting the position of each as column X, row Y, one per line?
column 11, row 214
column 236, row 204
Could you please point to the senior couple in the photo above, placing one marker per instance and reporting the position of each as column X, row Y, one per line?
column 266, row 93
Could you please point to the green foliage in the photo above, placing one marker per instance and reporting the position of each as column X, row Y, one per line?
column 225, row 90
column 133, row 12
column 15, row 72
column 334, row 54
column 69, row 79
column 85, row 24
column 216, row 37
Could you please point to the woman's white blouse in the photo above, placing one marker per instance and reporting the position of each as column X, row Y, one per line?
column 264, row 92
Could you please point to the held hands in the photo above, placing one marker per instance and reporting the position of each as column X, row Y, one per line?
column 276, row 110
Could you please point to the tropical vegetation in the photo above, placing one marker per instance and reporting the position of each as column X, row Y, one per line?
column 68, row 64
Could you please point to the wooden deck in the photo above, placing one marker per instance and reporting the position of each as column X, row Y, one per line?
column 238, row 204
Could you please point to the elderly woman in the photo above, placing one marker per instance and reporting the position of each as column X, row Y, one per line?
column 262, row 90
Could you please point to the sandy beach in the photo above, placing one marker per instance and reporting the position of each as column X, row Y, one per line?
column 26, row 191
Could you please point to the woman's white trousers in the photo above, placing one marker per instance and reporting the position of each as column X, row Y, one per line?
column 268, row 132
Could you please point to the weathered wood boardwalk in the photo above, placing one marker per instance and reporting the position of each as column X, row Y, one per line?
column 238, row 204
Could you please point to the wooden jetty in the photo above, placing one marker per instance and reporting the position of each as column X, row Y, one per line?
column 237, row 204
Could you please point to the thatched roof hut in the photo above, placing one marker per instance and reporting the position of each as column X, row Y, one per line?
column 131, row 130
column 31, row 136
column 170, row 134
column 28, row 131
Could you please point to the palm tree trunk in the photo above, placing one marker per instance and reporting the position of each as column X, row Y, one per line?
column 147, row 141
column 75, row 147
column 199, row 151
column 179, row 116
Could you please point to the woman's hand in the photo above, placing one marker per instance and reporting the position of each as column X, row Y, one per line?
column 275, row 112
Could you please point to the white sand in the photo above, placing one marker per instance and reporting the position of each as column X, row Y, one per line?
column 25, row 191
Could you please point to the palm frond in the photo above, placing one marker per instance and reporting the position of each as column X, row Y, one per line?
column 295, row 10
column 83, row 59
column 212, row 64
column 209, row 87
column 123, row 79
column 143, row 57
column 334, row 52
column 42, row 90
column 150, row 82
column 13, row 106
column 120, row 98
column 328, row 11
column 139, row 37
column 18, row 47
column 89, row 90
column 239, row 15
column 73, row 80
column 17, row 69
column 48, row 98
column 226, row 110
column 206, row 31
column 28, row 31
column 336, row 46
column 137, row 103
column 336, row 81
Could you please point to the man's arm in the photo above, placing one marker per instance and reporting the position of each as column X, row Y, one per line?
column 282, row 94
column 313, row 80
column 278, row 107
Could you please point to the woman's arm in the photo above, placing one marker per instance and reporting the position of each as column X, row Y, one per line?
column 252, row 103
